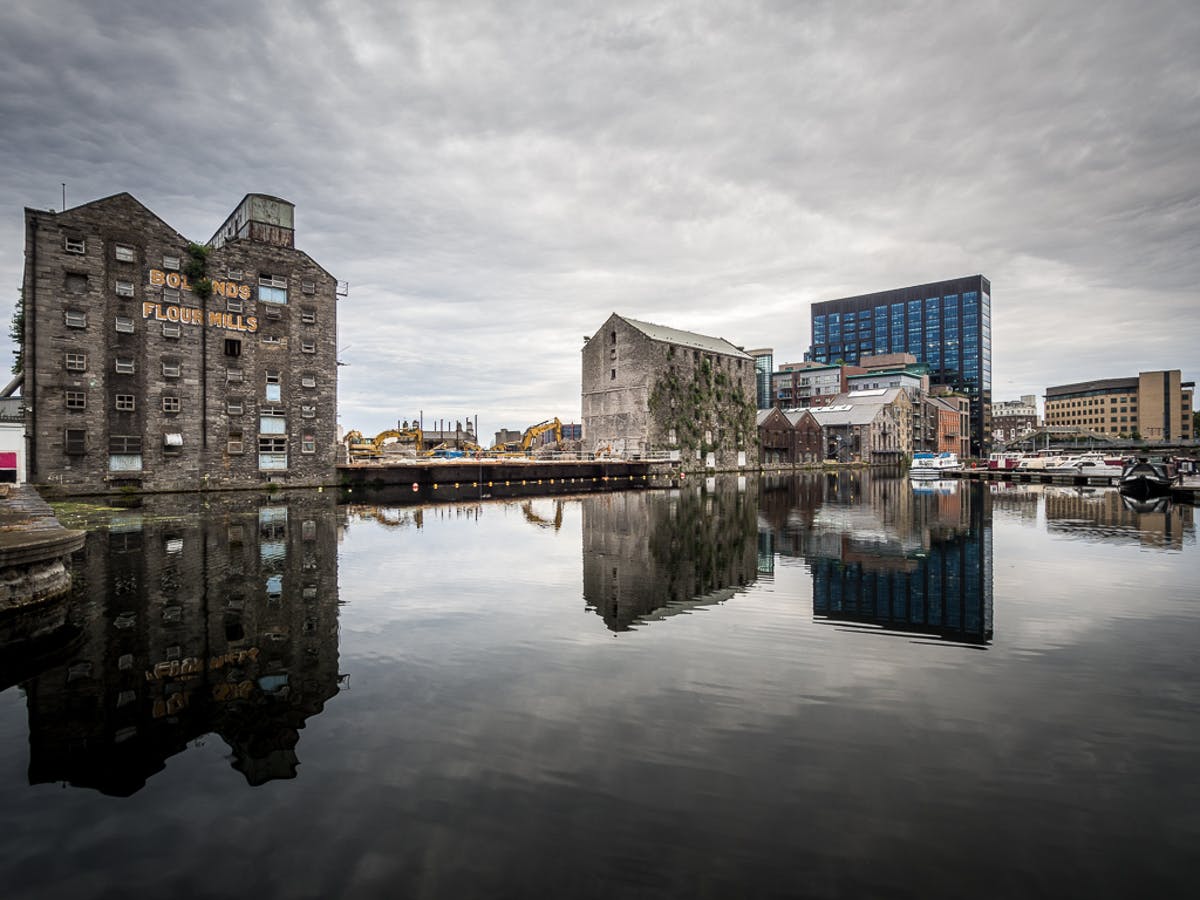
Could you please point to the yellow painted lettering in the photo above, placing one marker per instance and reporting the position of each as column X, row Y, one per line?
column 219, row 288
column 148, row 309
column 252, row 324
column 156, row 276
column 243, row 292
column 172, row 313
column 214, row 318
column 172, row 279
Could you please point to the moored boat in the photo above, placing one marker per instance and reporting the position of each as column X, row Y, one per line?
column 933, row 465
column 1145, row 477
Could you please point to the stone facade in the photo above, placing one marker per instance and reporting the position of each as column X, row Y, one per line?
column 647, row 388
column 135, row 377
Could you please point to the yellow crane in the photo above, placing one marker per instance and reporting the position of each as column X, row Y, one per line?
column 532, row 433
column 362, row 449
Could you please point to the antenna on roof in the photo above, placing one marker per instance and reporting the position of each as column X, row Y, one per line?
column 64, row 187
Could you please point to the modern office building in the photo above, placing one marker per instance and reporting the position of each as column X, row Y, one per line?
column 807, row 384
column 154, row 363
column 1155, row 406
column 764, row 365
column 947, row 325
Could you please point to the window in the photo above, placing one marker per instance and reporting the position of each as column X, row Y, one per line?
column 76, row 362
column 75, row 245
column 124, row 253
column 124, row 453
column 232, row 305
column 233, row 376
column 270, row 339
column 308, row 380
column 74, row 441
column 234, row 407
column 308, row 346
column 170, row 295
column 308, row 412
column 170, row 368
column 171, row 329
column 235, row 442
column 172, row 443
column 171, row 404
column 124, row 365
column 268, row 424
column 308, row 316
column 612, row 375
column 272, row 312
column 272, row 453
column 171, row 263
column 308, row 444
column 272, row 288
column 233, row 347
column 308, row 287
column 124, row 325
column 234, row 275
column 76, row 400
column 74, row 318
column 125, row 403
column 124, row 288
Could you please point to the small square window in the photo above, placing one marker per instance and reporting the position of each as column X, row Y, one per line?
column 74, row 318
column 75, row 245
column 308, row 287
column 270, row 339
column 171, row 404
column 308, row 346
column 170, row 295
column 235, row 444
column 171, row 329
column 170, row 368
column 76, row 400
column 233, row 376
column 272, row 313
column 125, row 403
column 234, row 275
column 272, row 288
column 308, row 412
column 124, row 253
column 308, row 444
column 272, row 376
column 76, row 362
column 171, row 263
column 273, row 393
column 308, row 316
column 308, row 380
column 233, row 347
column 124, row 365
column 124, row 288
column 233, row 407
column 234, row 306
column 124, row 325
column 75, row 441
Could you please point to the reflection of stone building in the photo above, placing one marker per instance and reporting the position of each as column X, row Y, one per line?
column 885, row 554
column 1105, row 515
column 648, row 555
column 199, row 616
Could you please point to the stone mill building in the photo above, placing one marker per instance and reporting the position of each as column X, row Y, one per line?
column 649, row 389
column 160, row 364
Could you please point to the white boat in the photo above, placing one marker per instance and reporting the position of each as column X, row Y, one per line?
column 1090, row 465
column 1039, row 463
column 933, row 465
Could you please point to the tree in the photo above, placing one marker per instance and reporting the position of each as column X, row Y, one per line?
column 16, row 333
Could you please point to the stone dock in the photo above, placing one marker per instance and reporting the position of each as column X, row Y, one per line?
column 34, row 548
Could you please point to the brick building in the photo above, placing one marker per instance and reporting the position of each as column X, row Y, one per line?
column 160, row 364
column 648, row 388
column 1157, row 406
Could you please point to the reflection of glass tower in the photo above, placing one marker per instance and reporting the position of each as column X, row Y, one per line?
column 886, row 555
column 219, row 617
column 947, row 325
column 649, row 555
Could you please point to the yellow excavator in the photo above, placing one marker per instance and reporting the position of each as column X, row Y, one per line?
column 532, row 433
column 362, row 450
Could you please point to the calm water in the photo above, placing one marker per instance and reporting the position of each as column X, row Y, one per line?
column 828, row 687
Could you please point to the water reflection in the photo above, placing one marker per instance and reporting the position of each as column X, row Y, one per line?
column 907, row 559
column 647, row 556
column 198, row 615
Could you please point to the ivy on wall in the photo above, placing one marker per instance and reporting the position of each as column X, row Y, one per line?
column 196, row 269
column 709, row 401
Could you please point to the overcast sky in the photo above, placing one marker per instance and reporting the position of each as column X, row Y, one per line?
column 494, row 179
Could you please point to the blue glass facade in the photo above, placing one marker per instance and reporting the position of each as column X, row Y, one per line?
column 946, row 324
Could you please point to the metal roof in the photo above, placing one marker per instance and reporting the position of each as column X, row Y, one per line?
column 1083, row 387
column 687, row 339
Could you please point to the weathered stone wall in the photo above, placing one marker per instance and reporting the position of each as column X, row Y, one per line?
column 182, row 376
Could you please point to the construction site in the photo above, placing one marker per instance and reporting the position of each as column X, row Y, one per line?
column 410, row 443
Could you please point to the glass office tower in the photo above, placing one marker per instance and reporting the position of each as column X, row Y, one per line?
column 764, row 365
column 947, row 325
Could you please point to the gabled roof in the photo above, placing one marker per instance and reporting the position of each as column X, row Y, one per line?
column 687, row 339
column 856, row 407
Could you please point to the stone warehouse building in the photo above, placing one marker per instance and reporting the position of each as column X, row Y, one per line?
column 649, row 388
column 159, row 364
